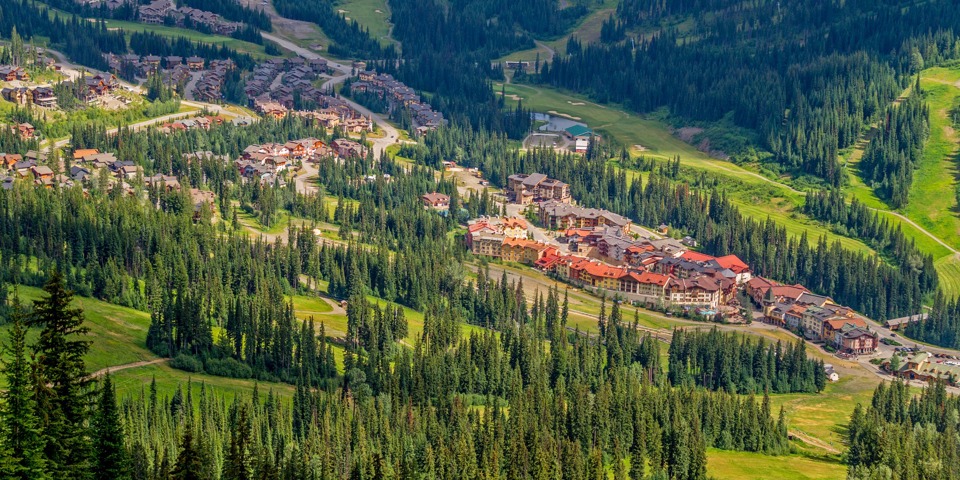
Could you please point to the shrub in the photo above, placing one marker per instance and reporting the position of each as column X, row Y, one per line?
column 187, row 363
column 228, row 367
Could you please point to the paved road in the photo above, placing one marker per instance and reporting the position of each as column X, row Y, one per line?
column 391, row 135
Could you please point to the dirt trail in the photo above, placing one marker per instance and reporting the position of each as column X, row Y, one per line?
column 816, row 442
column 125, row 366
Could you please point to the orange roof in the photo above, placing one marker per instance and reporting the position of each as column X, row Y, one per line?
column 479, row 226
column 650, row 278
column 640, row 248
column 596, row 269
column 734, row 263
column 760, row 282
column 83, row 152
column 696, row 256
column 583, row 232
column 788, row 291
column 838, row 323
column 514, row 222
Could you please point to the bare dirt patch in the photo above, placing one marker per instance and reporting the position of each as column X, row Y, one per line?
column 639, row 148
column 687, row 133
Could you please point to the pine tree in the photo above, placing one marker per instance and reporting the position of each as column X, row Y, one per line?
column 189, row 464
column 21, row 453
column 110, row 460
column 237, row 464
column 62, row 384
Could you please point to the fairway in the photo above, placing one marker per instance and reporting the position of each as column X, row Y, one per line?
column 949, row 269
column 932, row 202
column 193, row 35
column 374, row 15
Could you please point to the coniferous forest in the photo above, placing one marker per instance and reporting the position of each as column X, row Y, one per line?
column 807, row 77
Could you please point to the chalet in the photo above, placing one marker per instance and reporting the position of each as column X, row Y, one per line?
column 556, row 215
column 26, row 130
column 44, row 97
column 156, row 12
column 173, row 61
column 435, row 200
column 525, row 251
column 17, row 95
column 166, row 182
column 536, row 187
column 348, row 148
column 79, row 174
column 271, row 108
column 195, row 63
column 10, row 73
column 41, row 173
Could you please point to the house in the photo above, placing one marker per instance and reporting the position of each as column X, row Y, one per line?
column 830, row 372
column 272, row 109
column 580, row 135
column 435, row 200
column 857, row 341
column 920, row 367
column 536, row 187
column 26, row 130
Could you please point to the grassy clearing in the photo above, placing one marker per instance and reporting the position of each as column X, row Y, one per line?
column 724, row 464
column 253, row 49
column 118, row 333
column 310, row 305
column 133, row 381
column 933, row 204
column 371, row 14
column 949, row 269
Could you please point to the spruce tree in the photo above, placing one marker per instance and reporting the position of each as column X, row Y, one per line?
column 110, row 460
column 62, row 383
column 237, row 464
column 21, row 453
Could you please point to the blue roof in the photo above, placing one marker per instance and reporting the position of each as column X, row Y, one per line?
column 578, row 130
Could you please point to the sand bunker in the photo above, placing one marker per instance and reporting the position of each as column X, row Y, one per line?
column 564, row 115
column 575, row 103
column 639, row 148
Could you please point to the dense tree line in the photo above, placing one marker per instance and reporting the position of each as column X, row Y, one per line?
column 83, row 41
column 893, row 153
column 350, row 39
column 863, row 282
column 856, row 220
column 807, row 82
column 904, row 436
column 233, row 10
column 942, row 325
column 741, row 364
column 149, row 43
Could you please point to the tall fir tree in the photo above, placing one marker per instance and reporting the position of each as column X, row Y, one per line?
column 62, row 388
column 21, row 453
column 110, row 460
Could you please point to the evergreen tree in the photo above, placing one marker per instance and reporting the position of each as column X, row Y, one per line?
column 62, row 384
column 110, row 460
column 21, row 450
column 189, row 464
